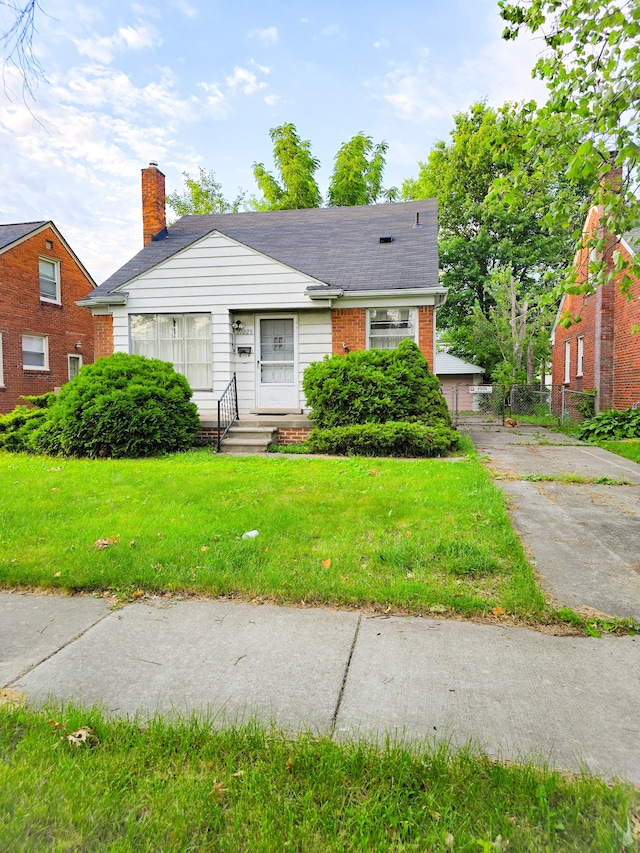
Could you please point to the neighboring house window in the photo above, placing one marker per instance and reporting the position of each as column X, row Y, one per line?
column 75, row 363
column 389, row 326
column 182, row 339
column 567, row 362
column 35, row 352
column 49, row 279
column 580, row 367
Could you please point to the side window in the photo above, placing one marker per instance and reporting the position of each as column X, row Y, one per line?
column 49, row 279
column 75, row 363
column 580, row 365
column 567, row 362
column 35, row 352
column 388, row 326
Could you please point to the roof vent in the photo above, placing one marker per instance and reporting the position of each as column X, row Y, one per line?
column 417, row 223
column 386, row 238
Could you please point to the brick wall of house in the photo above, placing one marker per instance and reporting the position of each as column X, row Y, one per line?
column 22, row 312
column 103, row 325
column 611, row 350
column 349, row 327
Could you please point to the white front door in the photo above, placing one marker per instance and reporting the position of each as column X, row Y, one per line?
column 277, row 368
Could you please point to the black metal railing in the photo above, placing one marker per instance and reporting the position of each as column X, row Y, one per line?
column 227, row 410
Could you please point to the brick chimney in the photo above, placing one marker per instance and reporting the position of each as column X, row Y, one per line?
column 154, row 216
column 610, row 174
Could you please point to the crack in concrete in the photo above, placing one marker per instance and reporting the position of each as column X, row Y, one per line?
column 334, row 719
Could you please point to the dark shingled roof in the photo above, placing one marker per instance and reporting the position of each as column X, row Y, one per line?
column 11, row 233
column 338, row 246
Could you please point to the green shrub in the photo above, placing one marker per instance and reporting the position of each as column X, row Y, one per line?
column 120, row 406
column 611, row 425
column 374, row 386
column 17, row 426
column 390, row 439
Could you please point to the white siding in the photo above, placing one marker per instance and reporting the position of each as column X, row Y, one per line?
column 220, row 276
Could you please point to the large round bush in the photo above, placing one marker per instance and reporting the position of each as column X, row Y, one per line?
column 120, row 406
column 374, row 386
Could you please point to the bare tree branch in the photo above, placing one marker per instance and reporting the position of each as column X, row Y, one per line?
column 16, row 43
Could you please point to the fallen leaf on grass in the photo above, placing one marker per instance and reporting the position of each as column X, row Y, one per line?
column 218, row 790
column 498, row 611
column 101, row 544
column 132, row 544
column 326, row 564
column 289, row 764
column 448, row 840
column 83, row 736
column 204, row 548
column 55, row 489
column 137, row 594
column 57, row 574
column 407, row 533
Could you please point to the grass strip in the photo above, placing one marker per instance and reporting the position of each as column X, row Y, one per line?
column 74, row 780
column 629, row 448
column 419, row 535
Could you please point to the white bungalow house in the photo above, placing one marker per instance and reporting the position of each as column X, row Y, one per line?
column 263, row 294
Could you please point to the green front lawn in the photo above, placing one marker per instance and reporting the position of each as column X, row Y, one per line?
column 629, row 448
column 182, row 786
column 419, row 535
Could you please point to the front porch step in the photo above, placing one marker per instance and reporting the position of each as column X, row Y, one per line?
column 251, row 439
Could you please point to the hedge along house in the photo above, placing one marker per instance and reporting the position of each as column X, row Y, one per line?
column 263, row 294
column 600, row 350
column 44, row 336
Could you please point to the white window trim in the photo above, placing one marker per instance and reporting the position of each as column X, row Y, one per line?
column 69, row 357
column 43, row 367
column 580, row 362
column 56, row 266
column 567, row 362
column 413, row 314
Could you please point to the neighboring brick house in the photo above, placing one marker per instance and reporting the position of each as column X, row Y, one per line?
column 44, row 336
column 600, row 351
column 263, row 294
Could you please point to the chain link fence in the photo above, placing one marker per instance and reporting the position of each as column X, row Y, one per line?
column 550, row 405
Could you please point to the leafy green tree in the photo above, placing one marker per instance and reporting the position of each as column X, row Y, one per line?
column 481, row 230
column 591, row 120
column 295, row 185
column 513, row 338
column 357, row 172
column 203, row 195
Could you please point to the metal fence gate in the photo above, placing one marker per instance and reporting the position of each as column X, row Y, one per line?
column 550, row 405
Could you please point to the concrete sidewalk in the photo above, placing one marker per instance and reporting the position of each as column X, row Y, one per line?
column 571, row 701
column 583, row 538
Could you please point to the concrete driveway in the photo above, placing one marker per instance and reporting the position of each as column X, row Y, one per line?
column 583, row 537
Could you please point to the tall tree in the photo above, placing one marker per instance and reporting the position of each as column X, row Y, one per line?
column 480, row 229
column 357, row 172
column 295, row 185
column 591, row 120
column 203, row 195
column 16, row 41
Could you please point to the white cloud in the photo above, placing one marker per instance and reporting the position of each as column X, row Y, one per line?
column 271, row 100
column 103, row 48
column 380, row 44
column 186, row 8
column 245, row 80
column 269, row 35
column 333, row 30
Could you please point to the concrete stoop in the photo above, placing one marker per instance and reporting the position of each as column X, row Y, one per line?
column 248, row 439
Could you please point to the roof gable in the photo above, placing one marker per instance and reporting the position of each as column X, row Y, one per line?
column 337, row 246
column 13, row 234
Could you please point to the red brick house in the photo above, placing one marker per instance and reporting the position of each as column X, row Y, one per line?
column 44, row 336
column 599, row 350
column 263, row 294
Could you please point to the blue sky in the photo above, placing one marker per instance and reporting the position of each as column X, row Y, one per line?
column 192, row 83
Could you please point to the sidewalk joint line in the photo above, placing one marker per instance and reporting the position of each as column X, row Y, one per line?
column 59, row 649
column 334, row 719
